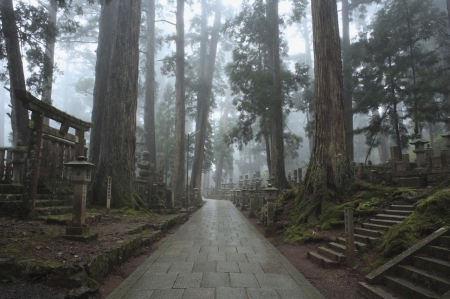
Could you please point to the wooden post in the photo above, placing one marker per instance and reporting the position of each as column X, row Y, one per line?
column 349, row 238
column 33, row 159
column 108, row 196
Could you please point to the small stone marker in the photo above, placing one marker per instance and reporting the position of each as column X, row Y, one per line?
column 349, row 237
column 108, row 195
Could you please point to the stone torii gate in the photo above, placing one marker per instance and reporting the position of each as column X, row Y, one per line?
column 39, row 110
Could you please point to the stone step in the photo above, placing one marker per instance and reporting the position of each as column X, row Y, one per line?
column 445, row 241
column 384, row 222
column 361, row 247
column 408, row 289
column 339, row 248
column 365, row 239
column 331, row 254
column 398, row 212
column 375, row 291
column 53, row 210
column 402, row 207
column 374, row 226
column 424, row 279
column 321, row 260
column 439, row 252
column 432, row 265
column 368, row 232
column 390, row 217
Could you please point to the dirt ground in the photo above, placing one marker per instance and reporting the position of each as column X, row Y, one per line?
column 38, row 241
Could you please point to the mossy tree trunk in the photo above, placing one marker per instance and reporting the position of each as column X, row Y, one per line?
column 329, row 167
column 180, row 115
column 118, row 136
column 19, row 115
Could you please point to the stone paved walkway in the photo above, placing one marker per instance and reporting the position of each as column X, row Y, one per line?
column 216, row 254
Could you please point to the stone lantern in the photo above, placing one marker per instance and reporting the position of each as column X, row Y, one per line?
column 80, row 175
column 238, row 197
column 419, row 146
column 196, row 200
column 251, row 195
column 18, row 161
column 270, row 194
column 244, row 193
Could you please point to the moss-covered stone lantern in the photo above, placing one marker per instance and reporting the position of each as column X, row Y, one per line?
column 196, row 200
column 80, row 175
column 251, row 195
column 270, row 194
column 244, row 193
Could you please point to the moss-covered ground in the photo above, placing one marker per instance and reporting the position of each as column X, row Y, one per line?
column 431, row 213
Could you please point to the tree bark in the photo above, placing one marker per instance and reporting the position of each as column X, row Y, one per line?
column 106, row 40
column 49, row 59
column 204, row 101
column 150, row 87
column 329, row 167
column 19, row 115
column 310, row 110
column 118, row 138
column 347, row 79
column 179, row 151
column 277, row 144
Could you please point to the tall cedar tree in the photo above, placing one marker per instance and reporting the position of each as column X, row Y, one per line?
column 329, row 168
column 150, row 86
column 49, row 58
column 118, row 136
column 277, row 144
column 179, row 150
column 19, row 115
column 207, row 66
column 106, row 38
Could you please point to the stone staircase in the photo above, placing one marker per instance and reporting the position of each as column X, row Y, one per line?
column 423, row 271
column 46, row 204
column 364, row 237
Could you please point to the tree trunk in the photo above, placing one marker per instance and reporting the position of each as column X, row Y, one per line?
column 2, row 120
column 219, row 165
column 347, row 79
column 150, row 87
column 329, row 168
column 118, row 138
column 277, row 144
column 106, row 40
column 49, row 59
column 19, row 115
column 179, row 151
column 204, row 101
column 308, row 61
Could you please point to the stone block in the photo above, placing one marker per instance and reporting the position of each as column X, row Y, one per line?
column 413, row 182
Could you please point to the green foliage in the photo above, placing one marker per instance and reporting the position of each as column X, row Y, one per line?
column 250, row 73
column 396, row 62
